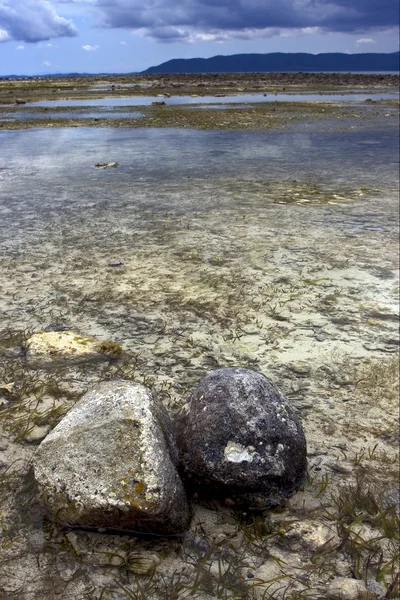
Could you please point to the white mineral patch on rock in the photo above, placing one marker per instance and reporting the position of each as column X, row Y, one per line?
column 237, row 453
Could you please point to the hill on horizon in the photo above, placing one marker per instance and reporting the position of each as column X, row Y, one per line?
column 280, row 62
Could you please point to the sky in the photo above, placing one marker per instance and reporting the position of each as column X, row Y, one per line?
column 122, row 36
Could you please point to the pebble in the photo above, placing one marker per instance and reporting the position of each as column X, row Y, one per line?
column 143, row 562
column 321, row 337
column 106, row 558
column 37, row 434
column 300, row 368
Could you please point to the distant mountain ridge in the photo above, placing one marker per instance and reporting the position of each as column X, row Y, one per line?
column 280, row 62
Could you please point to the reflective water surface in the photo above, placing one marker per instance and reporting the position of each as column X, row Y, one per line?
column 73, row 115
column 364, row 158
column 270, row 97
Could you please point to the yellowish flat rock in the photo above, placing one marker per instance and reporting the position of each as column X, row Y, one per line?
column 53, row 346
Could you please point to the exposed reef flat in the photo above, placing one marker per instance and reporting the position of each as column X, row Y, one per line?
column 14, row 95
column 334, row 116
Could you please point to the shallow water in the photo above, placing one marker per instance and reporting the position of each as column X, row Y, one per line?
column 50, row 187
column 202, row 249
column 240, row 98
column 366, row 159
column 21, row 115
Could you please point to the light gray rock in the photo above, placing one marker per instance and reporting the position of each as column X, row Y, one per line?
column 111, row 463
column 241, row 441
column 377, row 590
column 343, row 588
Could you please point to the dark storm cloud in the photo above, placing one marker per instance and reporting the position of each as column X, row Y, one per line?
column 173, row 19
column 32, row 21
column 361, row 15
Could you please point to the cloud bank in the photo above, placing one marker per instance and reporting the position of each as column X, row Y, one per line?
column 218, row 20
column 198, row 20
column 32, row 21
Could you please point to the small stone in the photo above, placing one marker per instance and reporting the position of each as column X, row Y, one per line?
column 115, row 264
column 300, row 368
column 143, row 562
column 74, row 542
column 343, row 380
column 362, row 532
column 337, row 466
column 342, row 320
column 241, row 441
column 37, row 434
column 377, row 590
column 321, row 337
column 343, row 588
column 317, row 321
column 194, row 543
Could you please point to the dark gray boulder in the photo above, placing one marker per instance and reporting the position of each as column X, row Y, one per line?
column 111, row 463
column 241, row 441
